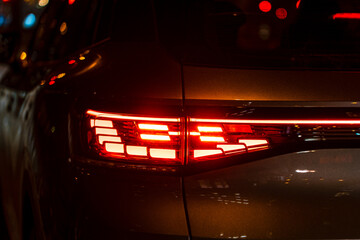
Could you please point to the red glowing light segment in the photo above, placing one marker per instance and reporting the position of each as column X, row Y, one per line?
column 126, row 117
column 194, row 134
column 281, row 13
column 346, row 16
column 265, row 6
column 114, row 147
column 157, row 127
column 174, row 133
column 72, row 62
column 155, row 137
column 298, row 3
column 206, row 152
column 211, row 139
column 103, row 123
column 209, row 129
column 103, row 139
column 163, row 153
column 105, row 131
column 71, row 2
column 231, row 147
column 136, row 150
column 253, row 142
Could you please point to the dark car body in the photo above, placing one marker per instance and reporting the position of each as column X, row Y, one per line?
column 185, row 62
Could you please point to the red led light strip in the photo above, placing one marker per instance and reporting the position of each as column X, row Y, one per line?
column 346, row 16
column 125, row 117
column 249, row 121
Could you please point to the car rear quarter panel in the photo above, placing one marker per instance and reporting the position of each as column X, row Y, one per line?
column 303, row 195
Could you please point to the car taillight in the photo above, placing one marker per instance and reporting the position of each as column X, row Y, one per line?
column 134, row 138
column 217, row 138
column 156, row 140
column 213, row 139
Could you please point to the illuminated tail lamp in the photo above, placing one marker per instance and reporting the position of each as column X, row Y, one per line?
column 151, row 140
column 145, row 140
column 213, row 141
column 242, row 136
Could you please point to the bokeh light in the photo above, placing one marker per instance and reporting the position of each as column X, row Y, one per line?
column 29, row 20
column 265, row 6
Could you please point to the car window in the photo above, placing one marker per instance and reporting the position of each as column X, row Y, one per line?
column 128, row 21
column 277, row 33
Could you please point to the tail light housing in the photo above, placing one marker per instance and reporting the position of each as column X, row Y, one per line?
column 135, row 138
column 180, row 141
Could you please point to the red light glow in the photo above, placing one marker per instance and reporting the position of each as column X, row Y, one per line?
column 298, row 3
column 238, row 128
column 265, row 6
column 72, row 62
column 103, row 123
column 149, row 140
column 253, row 142
column 51, row 82
column 155, row 137
column 194, row 134
column 211, row 139
column 163, row 153
column 130, row 138
column 136, row 150
column 231, row 147
column 205, row 152
column 103, row 139
column 281, row 13
column 105, row 131
column 209, row 129
column 276, row 122
column 71, row 2
column 114, row 147
column 153, row 127
column 174, row 133
column 346, row 16
column 125, row 117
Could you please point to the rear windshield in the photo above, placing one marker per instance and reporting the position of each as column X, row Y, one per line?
column 274, row 33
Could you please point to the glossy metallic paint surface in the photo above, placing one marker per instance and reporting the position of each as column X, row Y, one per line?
column 128, row 202
column 122, row 70
column 304, row 195
column 207, row 83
